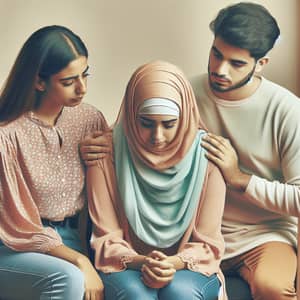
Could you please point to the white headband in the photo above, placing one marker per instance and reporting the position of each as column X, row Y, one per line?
column 159, row 106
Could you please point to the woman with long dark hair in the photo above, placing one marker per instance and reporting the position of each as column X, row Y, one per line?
column 41, row 174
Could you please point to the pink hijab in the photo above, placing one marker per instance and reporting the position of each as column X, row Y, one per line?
column 164, row 80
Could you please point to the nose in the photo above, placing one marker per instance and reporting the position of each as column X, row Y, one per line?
column 222, row 69
column 157, row 135
column 81, row 86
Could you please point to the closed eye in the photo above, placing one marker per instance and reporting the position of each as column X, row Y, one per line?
column 170, row 123
column 238, row 64
column 146, row 124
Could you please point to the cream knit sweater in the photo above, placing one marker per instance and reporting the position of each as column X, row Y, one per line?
column 265, row 131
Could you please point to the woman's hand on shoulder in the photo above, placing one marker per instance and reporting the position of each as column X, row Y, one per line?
column 95, row 147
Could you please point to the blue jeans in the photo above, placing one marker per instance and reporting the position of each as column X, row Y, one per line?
column 186, row 285
column 37, row 276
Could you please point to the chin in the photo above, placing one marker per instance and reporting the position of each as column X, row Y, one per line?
column 218, row 88
column 74, row 103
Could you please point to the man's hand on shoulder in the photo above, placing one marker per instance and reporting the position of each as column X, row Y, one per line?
column 223, row 155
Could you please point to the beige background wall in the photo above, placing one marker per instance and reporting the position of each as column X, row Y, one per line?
column 122, row 34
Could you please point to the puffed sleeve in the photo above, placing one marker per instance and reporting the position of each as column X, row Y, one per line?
column 94, row 121
column 109, row 228
column 20, row 223
column 202, row 247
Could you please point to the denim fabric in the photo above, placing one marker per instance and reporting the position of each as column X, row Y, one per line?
column 186, row 285
column 37, row 276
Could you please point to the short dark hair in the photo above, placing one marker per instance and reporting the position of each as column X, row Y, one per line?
column 248, row 26
column 46, row 52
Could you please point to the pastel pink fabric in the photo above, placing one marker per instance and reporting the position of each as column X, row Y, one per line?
column 42, row 176
column 202, row 245
column 160, row 79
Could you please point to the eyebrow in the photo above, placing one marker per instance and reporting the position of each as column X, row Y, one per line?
column 74, row 77
column 216, row 50
column 242, row 62
column 152, row 121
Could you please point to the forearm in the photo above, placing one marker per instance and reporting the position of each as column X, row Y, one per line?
column 177, row 262
column 93, row 284
column 70, row 255
column 279, row 197
column 136, row 262
column 238, row 181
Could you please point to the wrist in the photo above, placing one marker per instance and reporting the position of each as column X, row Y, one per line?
column 177, row 262
column 136, row 262
column 239, row 182
column 82, row 261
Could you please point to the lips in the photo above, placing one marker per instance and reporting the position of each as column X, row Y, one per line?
column 220, row 80
column 158, row 145
column 78, row 99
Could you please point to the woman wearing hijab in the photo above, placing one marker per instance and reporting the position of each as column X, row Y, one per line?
column 157, row 204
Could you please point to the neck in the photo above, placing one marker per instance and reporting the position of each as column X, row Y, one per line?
column 241, row 93
column 48, row 113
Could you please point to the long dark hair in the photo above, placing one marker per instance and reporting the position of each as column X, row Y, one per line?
column 46, row 52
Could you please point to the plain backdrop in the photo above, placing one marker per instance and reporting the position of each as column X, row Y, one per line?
column 123, row 34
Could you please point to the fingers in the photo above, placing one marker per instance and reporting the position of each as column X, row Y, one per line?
column 154, row 263
column 94, row 148
column 155, row 278
column 217, row 147
column 97, row 133
column 215, row 142
column 93, row 295
column 157, row 255
column 94, row 154
column 102, row 140
column 91, row 153
column 87, row 295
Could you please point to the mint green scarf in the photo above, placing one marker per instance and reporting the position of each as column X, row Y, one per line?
column 159, row 205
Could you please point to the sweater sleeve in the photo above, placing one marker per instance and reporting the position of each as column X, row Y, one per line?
column 282, row 196
column 204, row 250
column 20, row 223
column 108, row 235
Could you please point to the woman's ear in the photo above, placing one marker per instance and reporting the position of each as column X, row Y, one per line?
column 261, row 63
column 40, row 84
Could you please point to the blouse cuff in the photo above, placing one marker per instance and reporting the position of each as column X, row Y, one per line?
column 125, row 259
column 206, row 267
column 193, row 264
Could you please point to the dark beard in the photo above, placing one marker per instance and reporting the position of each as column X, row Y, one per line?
column 241, row 83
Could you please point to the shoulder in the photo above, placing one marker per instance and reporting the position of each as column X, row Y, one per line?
column 87, row 114
column 83, row 108
column 278, row 103
column 198, row 81
column 8, row 129
column 279, row 94
column 10, row 132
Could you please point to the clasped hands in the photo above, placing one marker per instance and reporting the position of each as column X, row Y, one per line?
column 156, row 270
